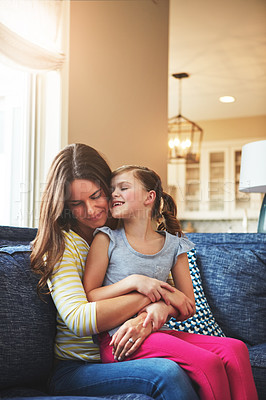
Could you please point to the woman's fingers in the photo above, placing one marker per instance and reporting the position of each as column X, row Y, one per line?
column 129, row 348
column 123, row 346
column 131, row 333
column 134, row 347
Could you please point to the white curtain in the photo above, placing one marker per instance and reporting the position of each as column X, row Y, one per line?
column 30, row 33
column 15, row 50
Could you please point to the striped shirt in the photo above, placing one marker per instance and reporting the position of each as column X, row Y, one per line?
column 76, row 318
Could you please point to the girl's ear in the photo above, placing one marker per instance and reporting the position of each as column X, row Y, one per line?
column 151, row 196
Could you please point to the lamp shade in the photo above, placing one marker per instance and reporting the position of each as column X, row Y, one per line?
column 253, row 167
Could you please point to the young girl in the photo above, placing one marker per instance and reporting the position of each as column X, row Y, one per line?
column 219, row 367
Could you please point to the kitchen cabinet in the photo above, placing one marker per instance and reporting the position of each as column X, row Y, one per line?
column 209, row 189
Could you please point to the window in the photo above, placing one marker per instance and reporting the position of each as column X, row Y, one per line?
column 32, row 102
column 14, row 128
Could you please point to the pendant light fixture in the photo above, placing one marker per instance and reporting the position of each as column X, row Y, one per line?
column 184, row 136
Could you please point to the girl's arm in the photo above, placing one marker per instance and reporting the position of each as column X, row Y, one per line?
column 181, row 302
column 95, row 270
column 183, row 298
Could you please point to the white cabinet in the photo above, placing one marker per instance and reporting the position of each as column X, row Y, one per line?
column 209, row 189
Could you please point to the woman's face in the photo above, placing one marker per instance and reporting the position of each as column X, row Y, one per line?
column 88, row 204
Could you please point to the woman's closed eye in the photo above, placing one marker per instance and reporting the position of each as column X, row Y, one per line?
column 74, row 203
column 96, row 195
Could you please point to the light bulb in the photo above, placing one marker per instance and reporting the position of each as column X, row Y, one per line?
column 176, row 142
column 188, row 143
column 227, row 99
column 171, row 144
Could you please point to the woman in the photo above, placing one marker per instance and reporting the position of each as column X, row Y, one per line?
column 74, row 204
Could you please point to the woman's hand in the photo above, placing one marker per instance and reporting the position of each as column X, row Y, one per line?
column 129, row 336
column 154, row 289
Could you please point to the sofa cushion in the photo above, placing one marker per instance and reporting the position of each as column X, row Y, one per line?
column 12, row 235
column 21, row 395
column 27, row 323
column 257, row 355
column 233, row 271
column 203, row 321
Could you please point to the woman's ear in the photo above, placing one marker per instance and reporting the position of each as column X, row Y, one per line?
column 151, row 196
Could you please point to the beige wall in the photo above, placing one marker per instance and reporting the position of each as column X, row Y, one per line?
column 118, row 80
column 234, row 128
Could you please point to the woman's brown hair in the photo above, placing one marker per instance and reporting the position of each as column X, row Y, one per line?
column 76, row 161
column 164, row 205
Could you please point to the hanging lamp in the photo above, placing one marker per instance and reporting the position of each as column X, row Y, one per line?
column 184, row 136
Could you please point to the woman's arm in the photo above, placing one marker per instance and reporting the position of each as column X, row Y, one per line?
column 95, row 270
column 114, row 312
column 84, row 318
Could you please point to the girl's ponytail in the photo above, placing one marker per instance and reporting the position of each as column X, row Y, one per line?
column 171, row 224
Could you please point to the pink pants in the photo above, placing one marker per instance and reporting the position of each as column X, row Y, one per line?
column 219, row 367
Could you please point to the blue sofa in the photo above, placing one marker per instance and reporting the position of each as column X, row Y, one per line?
column 233, row 274
column 27, row 325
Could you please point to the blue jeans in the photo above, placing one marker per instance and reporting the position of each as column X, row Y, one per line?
column 158, row 378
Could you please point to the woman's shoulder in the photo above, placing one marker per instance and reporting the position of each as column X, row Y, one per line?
column 72, row 239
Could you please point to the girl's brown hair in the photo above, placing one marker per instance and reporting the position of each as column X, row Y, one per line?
column 76, row 161
column 164, row 205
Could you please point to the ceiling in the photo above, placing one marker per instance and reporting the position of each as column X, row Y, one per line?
column 221, row 44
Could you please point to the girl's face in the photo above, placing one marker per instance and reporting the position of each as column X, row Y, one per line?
column 128, row 196
column 88, row 204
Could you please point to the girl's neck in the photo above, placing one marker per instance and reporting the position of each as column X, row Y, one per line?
column 141, row 229
column 142, row 237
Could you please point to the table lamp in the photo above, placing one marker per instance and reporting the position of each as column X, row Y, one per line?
column 253, row 175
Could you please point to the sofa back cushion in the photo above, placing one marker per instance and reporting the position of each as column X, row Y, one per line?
column 13, row 235
column 233, row 272
column 27, row 323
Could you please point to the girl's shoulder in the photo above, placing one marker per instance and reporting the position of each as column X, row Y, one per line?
column 182, row 244
column 112, row 234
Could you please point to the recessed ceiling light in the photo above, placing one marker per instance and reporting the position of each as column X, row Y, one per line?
column 227, row 99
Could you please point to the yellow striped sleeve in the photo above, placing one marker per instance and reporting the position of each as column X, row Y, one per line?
column 76, row 320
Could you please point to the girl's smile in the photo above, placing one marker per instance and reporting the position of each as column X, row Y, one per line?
column 128, row 195
column 117, row 203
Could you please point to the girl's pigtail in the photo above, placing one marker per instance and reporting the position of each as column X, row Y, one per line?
column 171, row 224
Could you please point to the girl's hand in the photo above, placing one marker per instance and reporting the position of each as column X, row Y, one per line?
column 154, row 289
column 134, row 330
column 184, row 306
column 157, row 315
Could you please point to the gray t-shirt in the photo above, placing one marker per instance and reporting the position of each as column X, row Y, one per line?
column 125, row 261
